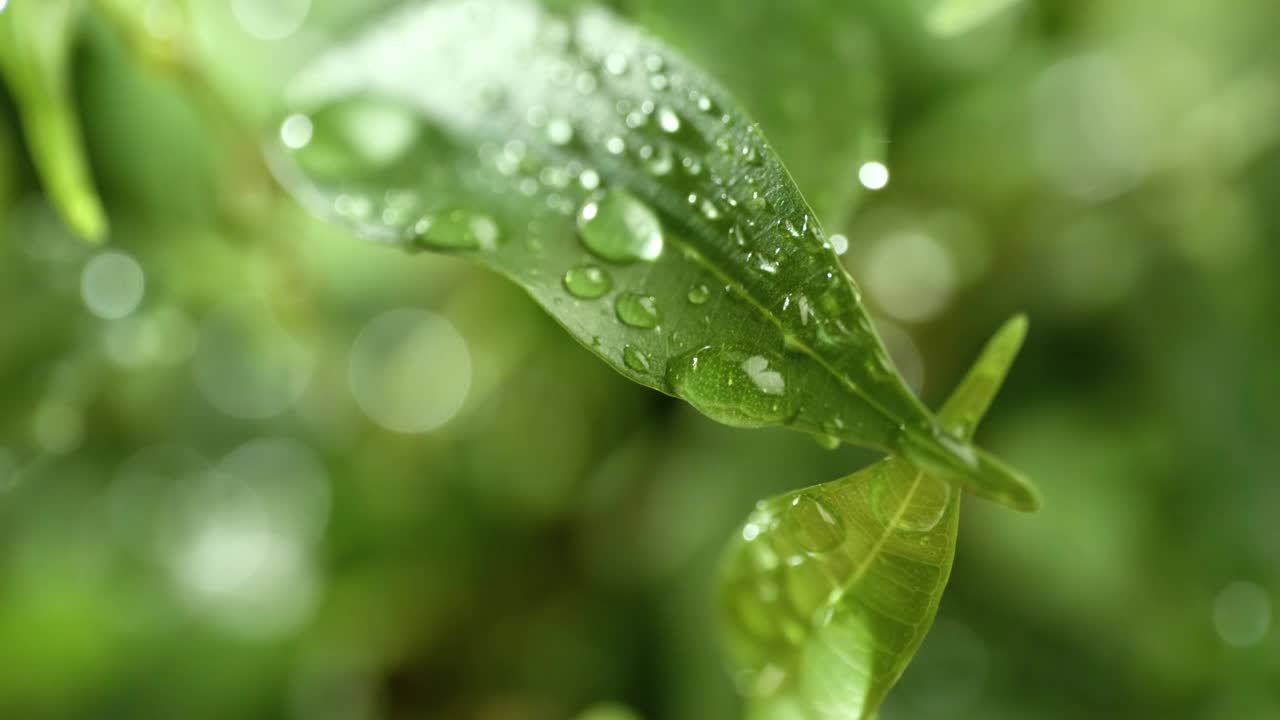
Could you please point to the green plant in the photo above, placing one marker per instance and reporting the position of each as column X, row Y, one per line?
column 634, row 199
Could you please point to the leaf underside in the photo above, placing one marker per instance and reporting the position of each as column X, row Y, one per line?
column 827, row 592
column 629, row 195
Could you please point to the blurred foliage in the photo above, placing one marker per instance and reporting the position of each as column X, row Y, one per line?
column 204, row 514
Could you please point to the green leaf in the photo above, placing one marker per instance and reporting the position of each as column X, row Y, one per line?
column 817, row 93
column 827, row 592
column 629, row 195
column 35, row 52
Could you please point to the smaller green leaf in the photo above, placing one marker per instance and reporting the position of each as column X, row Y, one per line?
column 827, row 592
column 35, row 50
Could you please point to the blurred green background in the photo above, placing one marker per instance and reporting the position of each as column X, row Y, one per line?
column 253, row 468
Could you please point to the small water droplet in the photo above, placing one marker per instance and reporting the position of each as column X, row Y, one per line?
column 615, row 225
column 840, row 244
column 559, row 131
column 659, row 162
column 589, row 179
column 654, row 63
column 296, row 131
column 587, row 282
column 827, row 442
column 732, row 385
column 615, row 145
column 699, row 294
column 457, row 230
column 813, row 523
column 668, row 120
column 616, row 64
column 638, row 310
column 635, row 359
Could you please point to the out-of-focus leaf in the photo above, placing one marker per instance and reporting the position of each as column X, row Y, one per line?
column 827, row 592
column 630, row 196
column 35, row 50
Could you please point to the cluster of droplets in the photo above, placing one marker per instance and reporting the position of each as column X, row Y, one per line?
column 798, row 559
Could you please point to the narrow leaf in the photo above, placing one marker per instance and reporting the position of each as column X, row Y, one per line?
column 35, row 50
column 629, row 195
column 827, row 592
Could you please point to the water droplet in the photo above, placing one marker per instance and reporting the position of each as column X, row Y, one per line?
column 659, row 161
column 589, row 179
column 587, row 282
column 296, row 131
column 616, row 64
column 654, row 63
column 757, row 202
column 699, row 294
column 873, row 175
column 559, row 131
column 668, row 120
column 840, row 244
column 457, row 230
column 615, row 145
column 732, row 385
column 616, row 226
column 637, row 310
column 827, row 442
column 765, row 265
column 915, row 508
column 813, row 524
column 635, row 359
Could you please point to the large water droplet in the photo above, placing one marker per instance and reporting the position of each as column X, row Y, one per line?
column 732, row 385
column 457, row 230
column 616, row 226
column 635, row 359
column 587, row 282
column 813, row 524
column 637, row 310
column 915, row 508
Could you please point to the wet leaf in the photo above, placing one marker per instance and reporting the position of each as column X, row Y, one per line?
column 629, row 195
column 827, row 592
column 35, row 53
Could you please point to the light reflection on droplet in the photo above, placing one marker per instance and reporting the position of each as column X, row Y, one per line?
column 112, row 285
column 873, row 175
column 1242, row 614
column 410, row 370
column 270, row 19
column 839, row 243
column 910, row 275
column 296, row 131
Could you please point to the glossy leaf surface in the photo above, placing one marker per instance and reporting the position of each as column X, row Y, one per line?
column 827, row 592
column 35, row 55
column 629, row 195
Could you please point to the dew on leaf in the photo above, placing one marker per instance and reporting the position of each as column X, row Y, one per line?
column 699, row 294
column 637, row 310
column 731, row 385
column 635, row 359
column 587, row 282
column 616, row 226
column 457, row 230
